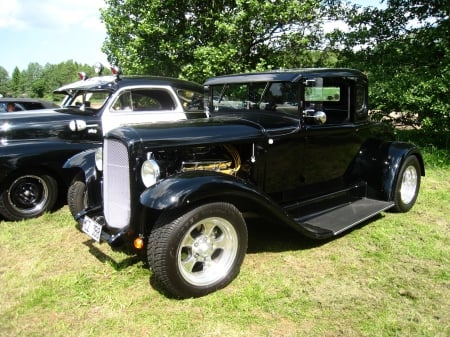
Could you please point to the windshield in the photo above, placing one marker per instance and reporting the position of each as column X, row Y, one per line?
column 86, row 100
column 268, row 96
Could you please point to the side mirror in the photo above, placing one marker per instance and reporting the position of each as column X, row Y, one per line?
column 80, row 125
column 318, row 117
column 77, row 125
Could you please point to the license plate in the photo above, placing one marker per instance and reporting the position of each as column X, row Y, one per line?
column 91, row 228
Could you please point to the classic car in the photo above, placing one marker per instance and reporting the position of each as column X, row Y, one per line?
column 35, row 144
column 21, row 104
column 294, row 147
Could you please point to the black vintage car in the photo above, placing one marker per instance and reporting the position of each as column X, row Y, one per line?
column 34, row 145
column 295, row 147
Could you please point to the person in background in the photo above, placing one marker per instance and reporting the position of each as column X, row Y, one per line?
column 10, row 107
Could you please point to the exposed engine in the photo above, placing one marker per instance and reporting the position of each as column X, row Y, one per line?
column 223, row 159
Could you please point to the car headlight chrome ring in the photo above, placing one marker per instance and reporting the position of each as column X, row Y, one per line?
column 150, row 172
column 99, row 159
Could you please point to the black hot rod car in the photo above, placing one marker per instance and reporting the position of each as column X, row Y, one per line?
column 295, row 146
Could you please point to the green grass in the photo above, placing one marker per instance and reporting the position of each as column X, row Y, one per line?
column 389, row 277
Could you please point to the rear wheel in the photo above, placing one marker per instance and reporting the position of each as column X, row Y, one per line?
column 27, row 196
column 407, row 186
column 200, row 251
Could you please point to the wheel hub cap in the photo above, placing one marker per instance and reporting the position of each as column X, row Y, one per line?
column 27, row 194
column 203, row 247
column 409, row 185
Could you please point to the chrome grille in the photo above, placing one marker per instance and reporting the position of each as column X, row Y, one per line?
column 116, row 184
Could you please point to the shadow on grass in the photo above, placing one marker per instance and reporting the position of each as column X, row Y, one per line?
column 269, row 237
column 129, row 261
column 262, row 237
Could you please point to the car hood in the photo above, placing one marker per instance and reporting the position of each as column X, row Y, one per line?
column 217, row 129
column 37, row 124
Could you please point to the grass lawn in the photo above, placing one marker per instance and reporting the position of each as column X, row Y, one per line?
column 389, row 277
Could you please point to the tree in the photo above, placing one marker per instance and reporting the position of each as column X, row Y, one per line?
column 30, row 78
column 15, row 84
column 404, row 48
column 40, row 81
column 198, row 38
column 4, row 78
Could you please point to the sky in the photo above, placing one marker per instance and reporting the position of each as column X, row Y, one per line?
column 55, row 31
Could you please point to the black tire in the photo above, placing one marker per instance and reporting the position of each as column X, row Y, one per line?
column 199, row 252
column 28, row 195
column 77, row 196
column 407, row 185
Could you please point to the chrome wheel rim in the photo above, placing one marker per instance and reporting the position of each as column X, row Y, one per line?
column 409, row 184
column 207, row 252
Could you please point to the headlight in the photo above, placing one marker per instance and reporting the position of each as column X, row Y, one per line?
column 150, row 172
column 99, row 159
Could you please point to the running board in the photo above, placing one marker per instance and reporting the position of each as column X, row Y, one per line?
column 340, row 219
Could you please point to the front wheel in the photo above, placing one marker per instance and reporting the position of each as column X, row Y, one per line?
column 77, row 196
column 27, row 196
column 407, row 186
column 198, row 252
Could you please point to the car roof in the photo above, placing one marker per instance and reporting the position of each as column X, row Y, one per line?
column 112, row 83
column 289, row 75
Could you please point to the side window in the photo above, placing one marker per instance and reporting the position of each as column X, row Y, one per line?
column 154, row 99
column 123, row 102
column 323, row 94
column 144, row 100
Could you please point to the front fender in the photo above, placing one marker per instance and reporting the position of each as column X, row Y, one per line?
column 397, row 152
column 192, row 187
column 86, row 162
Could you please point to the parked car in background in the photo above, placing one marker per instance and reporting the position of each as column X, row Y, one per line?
column 22, row 104
column 35, row 144
column 294, row 147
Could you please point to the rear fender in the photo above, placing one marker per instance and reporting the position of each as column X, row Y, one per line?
column 397, row 152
